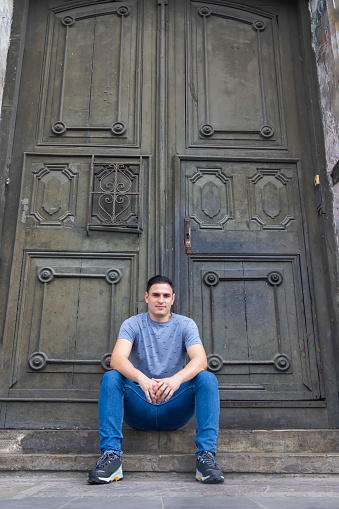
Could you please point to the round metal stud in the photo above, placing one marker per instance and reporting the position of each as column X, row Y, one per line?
column 46, row 275
column 113, row 276
column 215, row 362
column 106, row 362
column 274, row 278
column 118, row 128
column 59, row 127
column 211, row 278
column 205, row 12
column 207, row 130
column 37, row 361
column 258, row 25
column 282, row 362
column 123, row 11
column 266, row 131
column 68, row 21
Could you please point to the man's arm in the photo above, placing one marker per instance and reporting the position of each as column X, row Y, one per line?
column 120, row 362
column 198, row 362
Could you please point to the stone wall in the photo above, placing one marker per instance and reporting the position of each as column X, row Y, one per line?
column 6, row 11
column 325, row 30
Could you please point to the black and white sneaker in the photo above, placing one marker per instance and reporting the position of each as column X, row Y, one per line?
column 208, row 470
column 108, row 469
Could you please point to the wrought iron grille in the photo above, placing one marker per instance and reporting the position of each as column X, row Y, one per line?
column 114, row 198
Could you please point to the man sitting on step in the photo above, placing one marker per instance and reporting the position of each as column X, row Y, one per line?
column 155, row 390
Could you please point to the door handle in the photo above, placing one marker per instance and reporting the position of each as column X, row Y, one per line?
column 187, row 235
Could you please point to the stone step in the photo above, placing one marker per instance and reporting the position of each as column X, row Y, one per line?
column 181, row 441
column 265, row 463
column 264, row 451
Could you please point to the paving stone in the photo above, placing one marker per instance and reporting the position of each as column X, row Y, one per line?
column 38, row 503
column 211, row 502
column 297, row 503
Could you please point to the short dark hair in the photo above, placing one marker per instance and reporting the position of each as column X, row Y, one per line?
column 155, row 280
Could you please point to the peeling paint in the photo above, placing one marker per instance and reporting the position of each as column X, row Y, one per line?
column 6, row 10
column 324, row 26
column 25, row 208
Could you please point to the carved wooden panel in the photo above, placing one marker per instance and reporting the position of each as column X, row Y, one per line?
column 71, row 308
column 92, row 75
column 250, row 313
column 54, row 195
column 209, row 197
column 233, row 55
column 271, row 199
column 240, row 197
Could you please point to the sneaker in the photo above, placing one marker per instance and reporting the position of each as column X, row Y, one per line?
column 108, row 469
column 208, row 470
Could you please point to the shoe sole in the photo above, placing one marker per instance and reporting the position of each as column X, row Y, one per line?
column 207, row 480
column 210, row 481
column 104, row 482
column 116, row 476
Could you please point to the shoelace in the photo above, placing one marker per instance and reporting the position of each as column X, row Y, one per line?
column 208, row 458
column 106, row 458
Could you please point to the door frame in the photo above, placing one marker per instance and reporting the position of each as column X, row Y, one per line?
column 321, row 227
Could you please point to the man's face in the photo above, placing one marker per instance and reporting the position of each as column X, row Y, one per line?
column 160, row 298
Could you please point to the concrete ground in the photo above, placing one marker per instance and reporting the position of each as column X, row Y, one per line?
column 52, row 490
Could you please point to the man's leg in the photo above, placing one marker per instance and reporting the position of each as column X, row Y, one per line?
column 120, row 399
column 200, row 393
column 207, row 410
column 108, row 467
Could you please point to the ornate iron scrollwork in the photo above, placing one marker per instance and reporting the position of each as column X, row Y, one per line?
column 115, row 196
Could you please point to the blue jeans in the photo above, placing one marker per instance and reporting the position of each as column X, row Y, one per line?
column 121, row 399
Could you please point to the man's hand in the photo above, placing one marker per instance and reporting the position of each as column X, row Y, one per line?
column 166, row 387
column 149, row 387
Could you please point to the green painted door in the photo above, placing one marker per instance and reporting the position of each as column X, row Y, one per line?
column 160, row 136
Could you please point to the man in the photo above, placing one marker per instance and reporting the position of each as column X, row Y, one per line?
column 155, row 389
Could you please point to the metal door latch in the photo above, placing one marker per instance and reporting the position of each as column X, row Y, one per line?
column 187, row 235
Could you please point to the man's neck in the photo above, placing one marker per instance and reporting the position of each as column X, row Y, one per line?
column 160, row 319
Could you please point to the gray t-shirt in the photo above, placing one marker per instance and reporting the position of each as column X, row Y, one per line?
column 159, row 348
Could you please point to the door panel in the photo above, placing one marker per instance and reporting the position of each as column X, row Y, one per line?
column 251, row 317
column 226, row 45
column 247, row 277
column 91, row 75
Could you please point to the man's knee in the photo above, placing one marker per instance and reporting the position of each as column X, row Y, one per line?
column 207, row 378
column 111, row 378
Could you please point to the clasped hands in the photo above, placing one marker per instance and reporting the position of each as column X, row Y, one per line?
column 159, row 389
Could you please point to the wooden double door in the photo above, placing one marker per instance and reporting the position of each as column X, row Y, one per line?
column 161, row 136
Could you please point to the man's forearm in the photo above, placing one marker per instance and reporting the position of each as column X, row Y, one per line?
column 192, row 368
column 126, row 368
